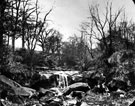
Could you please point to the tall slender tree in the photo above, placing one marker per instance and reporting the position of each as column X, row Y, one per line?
column 15, row 13
column 2, row 18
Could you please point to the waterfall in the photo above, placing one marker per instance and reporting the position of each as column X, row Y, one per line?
column 62, row 80
column 61, row 77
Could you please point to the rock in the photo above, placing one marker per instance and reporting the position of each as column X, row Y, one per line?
column 3, row 94
column 44, row 83
column 93, row 78
column 18, row 89
column 54, row 104
column 46, row 96
column 49, row 95
column 84, row 104
column 121, row 92
column 78, row 103
column 132, row 104
column 112, row 88
column 77, row 94
column 53, row 80
column 121, row 56
column 131, row 76
column 100, row 89
column 84, row 87
column 1, row 103
column 122, row 70
column 16, row 99
column 35, row 77
column 77, row 78
column 58, row 92
column 37, row 105
column 116, row 84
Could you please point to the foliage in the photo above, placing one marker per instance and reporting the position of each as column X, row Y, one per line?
column 39, row 59
column 4, row 66
column 75, row 53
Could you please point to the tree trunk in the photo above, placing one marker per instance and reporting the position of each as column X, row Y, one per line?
column 43, row 47
column 8, row 40
column 23, row 41
column 23, row 30
column 13, row 43
column 31, row 59
column 2, row 9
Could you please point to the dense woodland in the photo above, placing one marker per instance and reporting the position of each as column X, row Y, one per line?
column 105, row 46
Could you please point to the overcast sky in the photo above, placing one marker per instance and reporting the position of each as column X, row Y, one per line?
column 67, row 15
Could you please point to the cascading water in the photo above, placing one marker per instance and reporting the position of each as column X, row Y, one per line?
column 62, row 80
column 61, row 77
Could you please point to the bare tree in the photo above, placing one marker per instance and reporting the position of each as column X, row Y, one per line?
column 50, row 40
column 104, row 25
column 42, row 41
column 26, row 12
column 35, row 29
column 88, row 32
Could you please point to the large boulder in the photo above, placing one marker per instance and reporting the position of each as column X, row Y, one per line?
column 93, row 78
column 122, row 57
column 17, row 88
column 133, row 103
column 77, row 78
column 45, row 81
column 131, row 76
column 116, row 84
column 84, row 87
column 123, row 66
column 42, row 83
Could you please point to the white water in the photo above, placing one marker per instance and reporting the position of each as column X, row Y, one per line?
column 62, row 79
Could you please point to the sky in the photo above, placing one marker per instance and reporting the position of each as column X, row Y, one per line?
column 67, row 15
